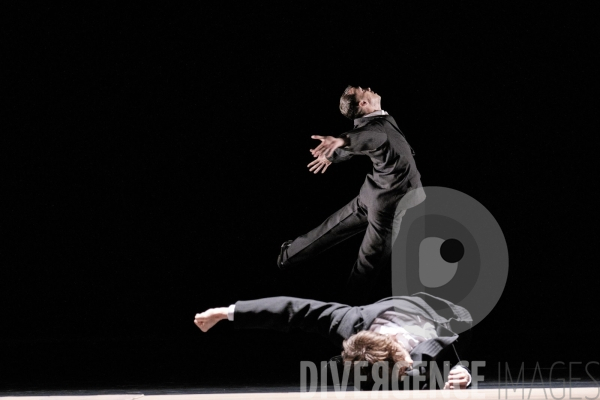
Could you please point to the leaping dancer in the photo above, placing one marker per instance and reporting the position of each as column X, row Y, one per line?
column 388, row 191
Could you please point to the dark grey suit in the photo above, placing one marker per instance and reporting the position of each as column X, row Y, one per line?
column 339, row 321
column 379, row 205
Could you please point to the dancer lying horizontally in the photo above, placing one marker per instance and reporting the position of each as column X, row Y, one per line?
column 400, row 331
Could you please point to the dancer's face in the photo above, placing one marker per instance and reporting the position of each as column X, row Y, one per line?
column 361, row 94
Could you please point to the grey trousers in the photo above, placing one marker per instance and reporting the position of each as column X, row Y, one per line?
column 380, row 226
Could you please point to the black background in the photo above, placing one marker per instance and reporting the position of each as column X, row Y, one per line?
column 156, row 159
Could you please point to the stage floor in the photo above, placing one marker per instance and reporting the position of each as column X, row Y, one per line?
column 576, row 390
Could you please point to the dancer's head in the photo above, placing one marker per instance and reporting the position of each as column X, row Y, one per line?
column 356, row 102
column 374, row 347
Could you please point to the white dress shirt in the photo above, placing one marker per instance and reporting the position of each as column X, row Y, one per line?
column 409, row 330
column 230, row 311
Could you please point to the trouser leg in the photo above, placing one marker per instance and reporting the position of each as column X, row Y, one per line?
column 375, row 252
column 341, row 225
column 396, row 224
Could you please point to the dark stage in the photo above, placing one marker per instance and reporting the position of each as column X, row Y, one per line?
column 156, row 160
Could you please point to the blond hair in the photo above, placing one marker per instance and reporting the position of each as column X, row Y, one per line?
column 374, row 348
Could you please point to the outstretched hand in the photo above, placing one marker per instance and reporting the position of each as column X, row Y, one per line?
column 327, row 146
column 209, row 318
column 457, row 379
column 316, row 165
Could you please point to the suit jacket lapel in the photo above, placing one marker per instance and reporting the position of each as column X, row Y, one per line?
column 431, row 348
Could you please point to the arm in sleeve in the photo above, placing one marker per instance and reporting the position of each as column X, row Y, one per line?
column 287, row 313
column 363, row 139
column 340, row 155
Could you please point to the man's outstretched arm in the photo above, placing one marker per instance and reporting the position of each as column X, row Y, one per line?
column 355, row 141
column 332, row 320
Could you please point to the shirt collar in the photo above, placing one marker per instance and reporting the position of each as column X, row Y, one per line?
column 373, row 114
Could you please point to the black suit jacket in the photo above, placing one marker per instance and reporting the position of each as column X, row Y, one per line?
column 394, row 170
column 337, row 321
